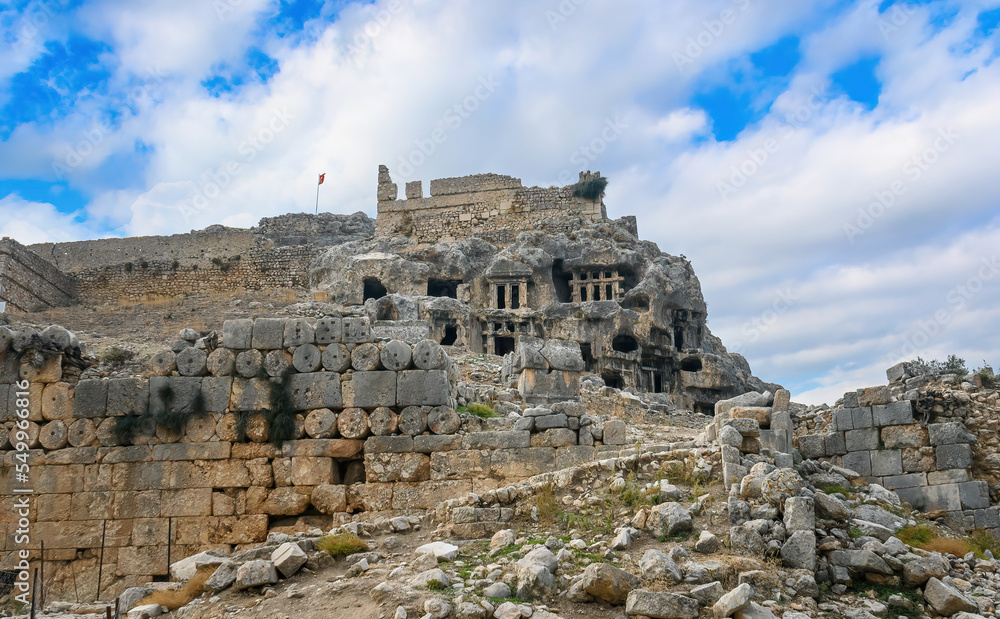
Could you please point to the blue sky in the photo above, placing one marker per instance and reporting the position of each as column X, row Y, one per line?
column 828, row 167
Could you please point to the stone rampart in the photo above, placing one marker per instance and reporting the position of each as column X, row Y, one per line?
column 28, row 283
column 493, row 207
column 186, row 460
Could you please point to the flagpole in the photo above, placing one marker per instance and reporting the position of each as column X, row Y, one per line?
column 317, row 194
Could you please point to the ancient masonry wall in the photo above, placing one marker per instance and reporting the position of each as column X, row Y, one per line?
column 276, row 254
column 928, row 464
column 494, row 207
column 375, row 430
column 28, row 283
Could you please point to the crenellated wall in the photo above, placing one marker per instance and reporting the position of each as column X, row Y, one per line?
column 491, row 206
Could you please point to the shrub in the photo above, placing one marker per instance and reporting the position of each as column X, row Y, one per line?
column 590, row 189
column 175, row 598
column 483, row 411
column 546, row 504
column 115, row 355
column 143, row 264
column 435, row 585
column 917, row 535
column 982, row 540
column 341, row 544
column 128, row 267
column 836, row 489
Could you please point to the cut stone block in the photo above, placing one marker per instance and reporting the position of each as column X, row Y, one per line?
column 974, row 494
column 859, row 462
column 862, row 440
column 958, row 456
column 931, row 498
column 90, row 399
column 893, row 414
column 887, row 462
column 372, row 389
column 422, row 388
column 237, row 334
column 862, row 417
column 268, row 333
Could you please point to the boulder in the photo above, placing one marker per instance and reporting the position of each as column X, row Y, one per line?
column 223, row 576
column 656, row 565
column 830, row 507
column 666, row 519
column 535, row 582
column 780, row 485
column 799, row 550
column 539, row 556
column 947, row 600
column 255, row 574
column 661, row 605
column 708, row 594
column 707, row 542
column 442, row 551
column 422, row 579
column 608, row 583
column 919, row 571
column 737, row 599
column 288, row 558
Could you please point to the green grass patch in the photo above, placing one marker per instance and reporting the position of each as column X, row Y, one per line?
column 436, row 585
column 483, row 411
column 916, row 535
column 340, row 544
column 854, row 532
column 836, row 489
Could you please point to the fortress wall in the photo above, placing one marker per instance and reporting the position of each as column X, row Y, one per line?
column 28, row 283
column 493, row 207
column 375, row 430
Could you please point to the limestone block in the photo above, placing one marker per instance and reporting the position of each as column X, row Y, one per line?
column 887, row 462
column 862, row 417
column 277, row 362
column 249, row 363
column 298, row 332
column 893, row 414
column 564, row 355
column 974, row 494
column 552, row 421
column 782, row 399
column 366, row 358
column 256, row 573
column 192, row 362
column 57, row 401
column 331, row 448
column 859, row 462
column 330, row 499
column 428, row 355
column 428, row 443
column 861, row 440
column 812, row 446
column 761, row 413
column 90, row 399
column 200, row 428
column 835, row 444
column 908, row 480
column 422, row 388
column 443, row 420
column 461, row 464
column 956, row 456
column 315, row 390
column 175, row 394
column 396, row 355
column 554, row 437
column 746, row 427
column 871, row 396
column 222, row 362
column 370, row 389
column 329, row 329
column 615, row 432
column 49, row 372
column 383, row 421
column 357, row 330
column 388, row 444
column 336, row 358
column 237, row 334
column 843, row 419
column 216, row 450
column 215, row 393
column 660, row 604
column 268, row 333
column 287, row 501
column 897, row 437
column 307, row 358
column 82, row 433
column 321, row 423
column 250, row 395
column 948, row 476
column 186, row 502
column 930, row 498
column 413, row 420
column 499, row 439
column 950, row 433
column 521, row 463
column 397, row 467
column 313, row 471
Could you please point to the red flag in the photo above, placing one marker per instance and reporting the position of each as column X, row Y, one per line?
column 321, row 178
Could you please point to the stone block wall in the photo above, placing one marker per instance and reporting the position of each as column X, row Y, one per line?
column 375, row 430
column 494, row 207
column 28, row 283
column 275, row 254
column 928, row 464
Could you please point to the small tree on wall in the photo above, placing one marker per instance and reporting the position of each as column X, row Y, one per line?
column 591, row 188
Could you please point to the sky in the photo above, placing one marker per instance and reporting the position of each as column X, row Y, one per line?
column 828, row 167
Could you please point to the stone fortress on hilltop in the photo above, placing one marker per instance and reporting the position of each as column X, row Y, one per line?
column 482, row 262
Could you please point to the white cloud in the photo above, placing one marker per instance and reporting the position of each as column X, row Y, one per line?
column 37, row 222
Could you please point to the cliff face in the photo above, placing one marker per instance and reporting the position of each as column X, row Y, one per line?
column 637, row 313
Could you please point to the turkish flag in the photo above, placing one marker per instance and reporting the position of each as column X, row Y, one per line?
column 321, row 178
